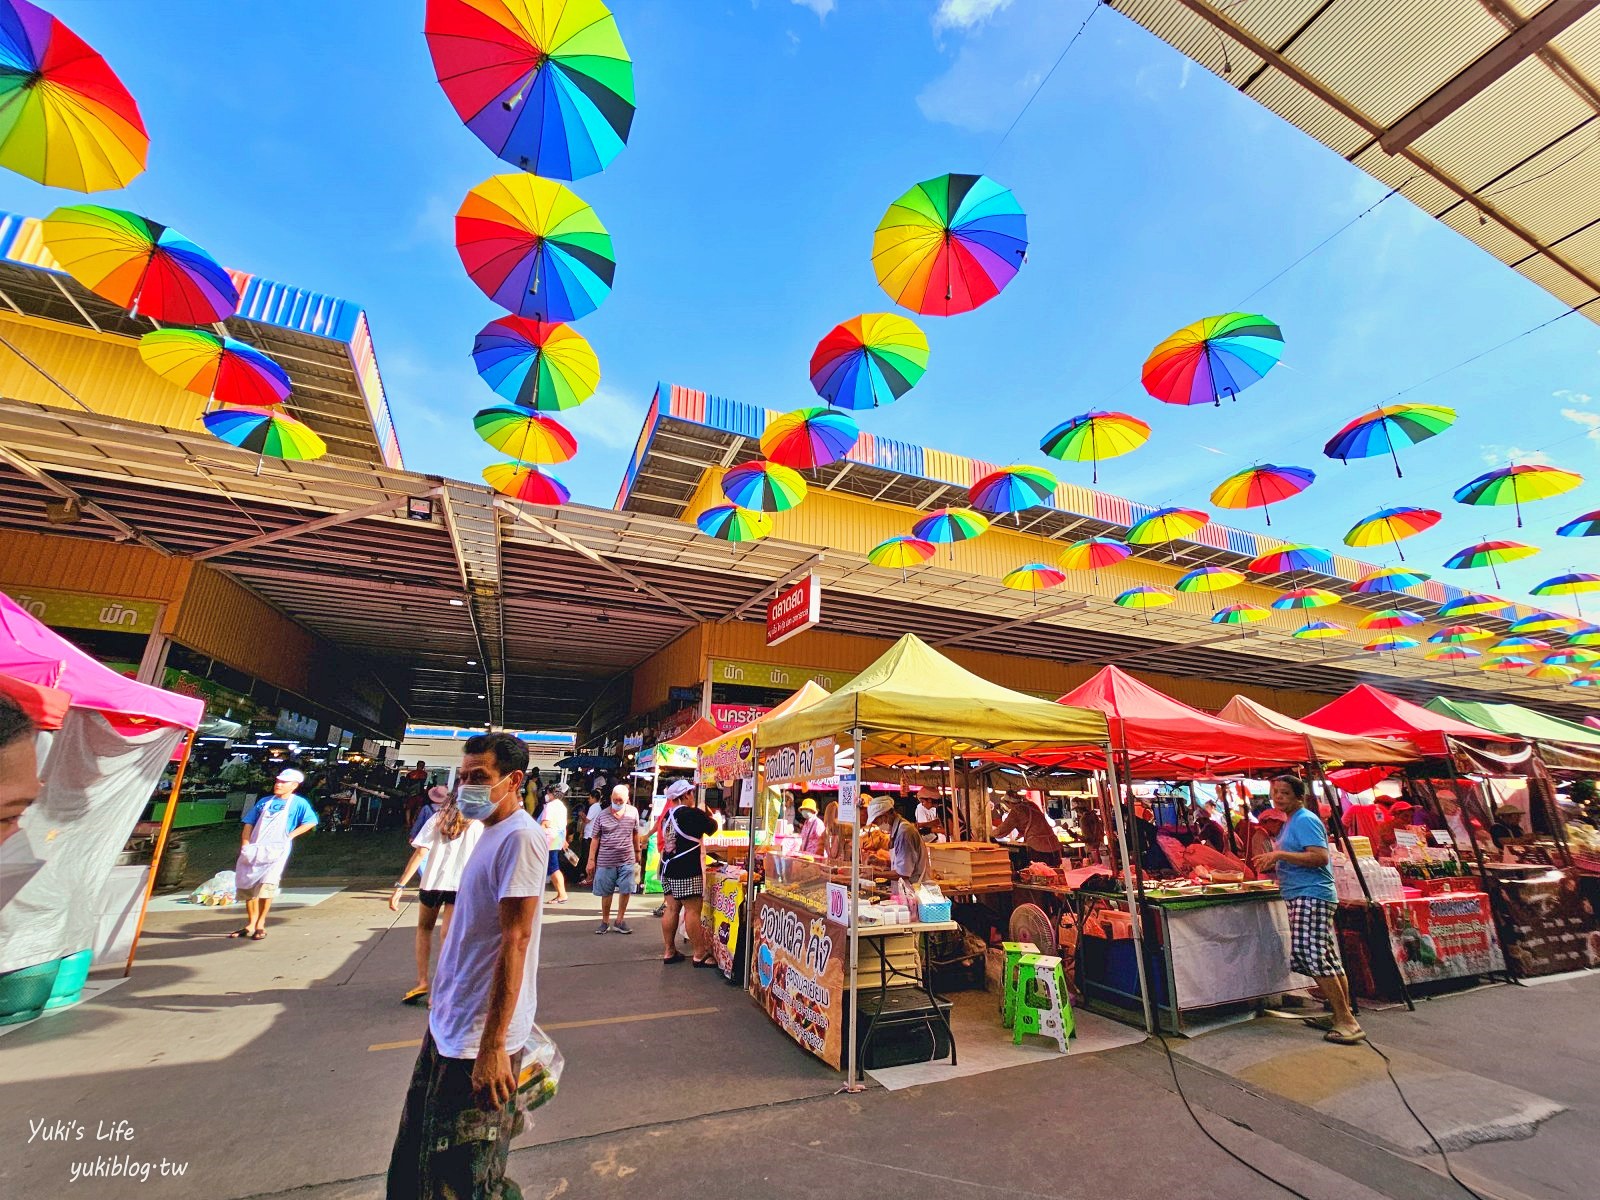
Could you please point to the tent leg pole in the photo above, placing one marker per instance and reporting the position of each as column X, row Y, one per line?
column 852, row 1082
column 161, row 846
column 747, row 927
column 1131, row 889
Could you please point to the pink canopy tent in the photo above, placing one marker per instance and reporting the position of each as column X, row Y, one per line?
column 1371, row 712
column 35, row 654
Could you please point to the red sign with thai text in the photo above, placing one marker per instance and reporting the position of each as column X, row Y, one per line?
column 795, row 610
column 731, row 716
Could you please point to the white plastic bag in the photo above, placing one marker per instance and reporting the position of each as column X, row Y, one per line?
column 220, row 889
column 541, row 1071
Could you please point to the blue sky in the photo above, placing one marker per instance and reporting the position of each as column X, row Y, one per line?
column 308, row 142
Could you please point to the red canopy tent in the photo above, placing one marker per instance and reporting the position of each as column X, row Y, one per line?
column 1166, row 738
column 1371, row 712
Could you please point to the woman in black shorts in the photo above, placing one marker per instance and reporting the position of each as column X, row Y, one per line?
column 682, row 872
column 441, row 847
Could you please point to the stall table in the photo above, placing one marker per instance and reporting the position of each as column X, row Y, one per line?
column 912, row 1004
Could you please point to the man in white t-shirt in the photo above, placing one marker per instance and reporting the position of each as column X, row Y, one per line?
column 461, row 1111
column 553, row 818
column 928, row 818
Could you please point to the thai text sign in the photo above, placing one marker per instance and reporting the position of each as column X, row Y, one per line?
column 795, row 610
column 731, row 716
column 1443, row 937
column 798, row 974
column 73, row 610
column 800, row 762
column 775, row 675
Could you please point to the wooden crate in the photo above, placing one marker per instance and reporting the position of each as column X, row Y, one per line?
column 982, row 864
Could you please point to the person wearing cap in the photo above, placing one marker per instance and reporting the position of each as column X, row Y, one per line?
column 270, row 825
column 553, row 818
column 1508, row 824
column 1261, row 836
column 682, row 873
column 811, row 827
column 908, row 854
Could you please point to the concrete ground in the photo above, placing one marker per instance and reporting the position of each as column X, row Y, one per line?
column 277, row 1068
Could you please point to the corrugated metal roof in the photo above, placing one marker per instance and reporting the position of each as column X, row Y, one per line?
column 1489, row 107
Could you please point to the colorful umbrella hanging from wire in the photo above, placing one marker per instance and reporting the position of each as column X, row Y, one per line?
column 1034, row 577
column 1391, row 644
column 1517, row 485
column 898, row 553
column 730, row 523
column 547, row 85
column 525, row 435
column 1472, row 604
column 1144, row 597
column 1240, row 614
column 1012, row 490
column 1571, row 657
column 1452, row 654
column 529, row 484
column 947, row 526
column 1574, row 584
column 1309, row 597
column 1390, row 525
column 869, row 361
column 1587, row 635
column 1489, row 554
column 1320, row 631
column 265, row 432
column 1456, row 634
column 219, row 368
column 1284, row 559
column 1549, row 673
column 1389, row 579
column 66, row 120
column 1542, row 622
column 1586, row 525
column 763, row 486
column 1387, row 427
column 1588, row 680
column 147, row 268
column 1092, row 554
column 1509, row 662
column 1166, row 525
column 1213, row 358
column 534, row 248
column 1390, row 618
column 1261, row 486
column 1209, row 580
column 1520, row 645
column 809, row 437
column 949, row 244
column 545, row 365
column 1093, row 436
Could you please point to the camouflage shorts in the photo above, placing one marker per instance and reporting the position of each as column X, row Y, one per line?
column 448, row 1148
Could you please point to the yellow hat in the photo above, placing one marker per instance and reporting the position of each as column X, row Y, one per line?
column 808, row 805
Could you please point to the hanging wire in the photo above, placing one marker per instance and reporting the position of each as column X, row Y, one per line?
column 1067, row 49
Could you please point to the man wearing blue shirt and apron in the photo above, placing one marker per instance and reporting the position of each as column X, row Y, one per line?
column 270, row 825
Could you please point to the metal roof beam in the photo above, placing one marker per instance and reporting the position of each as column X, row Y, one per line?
column 1057, row 610
column 1549, row 55
column 776, row 586
column 1529, row 38
column 1172, row 648
column 129, row 533
column 263, row 539
column 483, row 598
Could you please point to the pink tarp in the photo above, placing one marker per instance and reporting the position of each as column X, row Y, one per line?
column 31, row 652
column 1371, row 712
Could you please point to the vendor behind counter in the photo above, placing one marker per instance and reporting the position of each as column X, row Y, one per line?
column 1018, row 817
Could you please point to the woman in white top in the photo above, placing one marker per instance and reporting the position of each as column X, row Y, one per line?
column 445, row 841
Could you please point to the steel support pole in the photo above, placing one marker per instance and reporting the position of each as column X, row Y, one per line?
column 1130, row 887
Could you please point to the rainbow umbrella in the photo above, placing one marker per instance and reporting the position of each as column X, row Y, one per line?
column 1570, row 657
column 1390, row 618
column 1144, row 597
column 1289, row 558
column 809, row 437
column 266, row 432
column 1092, row 436
column 1391, row 644
column 220, row 369
column 545, row 84
column 1511, row 662
column 1452, row 654
column 900, row 552
column 1214, row 357
column 522, row 482
column 1240, row 614
column 1589, row 680
column 148, row 269
column 763, row 486
column 1517, row 485
column 1489, row 554
column 1390, row 525
column 534, row 248
column 1388, row 426
column 1209, row 580
column 1389, row 579
column 947, row 526
column 1550, row 673
column 1090, row 554
column 1456, row 634
column 1586, row 635
column 1034, row 577
column 869, row 361
column 526, row 435
column 949, row 244
column 1573, row 584
column 1012, row 490
column 1259, row 487
column 545, row 365
column 1586, row 525
column 1316, row 631
column 729, row 523
column 1519, row 645
column 66, row 120
column 1167, row 525
column 1310, row 597
column 1542, row 622
column 1472, row 604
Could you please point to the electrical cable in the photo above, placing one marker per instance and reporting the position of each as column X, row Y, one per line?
column 1437, row 1145
column 1067, row 49
column 1394, row 191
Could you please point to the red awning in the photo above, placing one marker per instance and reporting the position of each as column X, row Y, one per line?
column 1371, row 712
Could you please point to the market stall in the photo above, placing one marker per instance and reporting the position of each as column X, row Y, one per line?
column 115, row 740
column 678, row 754
column 809, row 920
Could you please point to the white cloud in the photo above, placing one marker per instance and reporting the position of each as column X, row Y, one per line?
column 1572, row 397
column 964, row 14
column 1589, row 420
column 1498, row 456
column 821, row 7
column 607, row 419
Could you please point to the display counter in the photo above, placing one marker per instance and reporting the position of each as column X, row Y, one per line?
column 1390, row 946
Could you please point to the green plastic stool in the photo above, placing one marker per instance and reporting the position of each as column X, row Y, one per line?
column 1008, row 984
column 1042, row 1006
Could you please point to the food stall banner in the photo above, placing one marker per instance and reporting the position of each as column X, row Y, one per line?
column 1328, row 745
column 1562, row 744
column 733, row 755
column 798, row 974
column 1373, row 712
column 727, row 898
column 681, row 753
column 1547, row 927
column 802, row 762
column 1448, row 936
column 915, row 695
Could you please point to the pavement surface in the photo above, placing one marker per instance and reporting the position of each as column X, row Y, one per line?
column 277, row 1069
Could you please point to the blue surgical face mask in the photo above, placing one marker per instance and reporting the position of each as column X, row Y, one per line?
column 475, row 800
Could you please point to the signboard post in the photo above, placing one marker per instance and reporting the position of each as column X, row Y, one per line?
column 795, row 610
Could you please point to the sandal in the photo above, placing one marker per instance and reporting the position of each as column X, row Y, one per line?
column 1340, row 1038
column 241, row 933
column 704, row 962
column 676, row 958
column 259, row 935
column 417, row 995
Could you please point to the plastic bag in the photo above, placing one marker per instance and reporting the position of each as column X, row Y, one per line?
column 220, row 889
column 541, row 1071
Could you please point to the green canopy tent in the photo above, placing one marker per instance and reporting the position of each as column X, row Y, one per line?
column 1563, row 745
